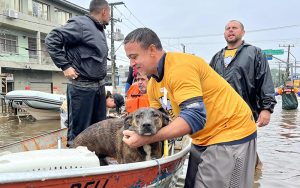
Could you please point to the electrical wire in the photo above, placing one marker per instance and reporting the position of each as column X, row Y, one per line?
column 221, row 34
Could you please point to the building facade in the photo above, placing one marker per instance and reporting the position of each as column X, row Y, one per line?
column 24, row 60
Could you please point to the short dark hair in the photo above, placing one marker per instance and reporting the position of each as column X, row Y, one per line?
column 242, row 25
column 108, row 94
column 97, row 5
column 145, row 37
column 119, row 101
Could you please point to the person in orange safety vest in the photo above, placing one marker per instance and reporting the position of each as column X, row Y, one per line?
column 137, row 94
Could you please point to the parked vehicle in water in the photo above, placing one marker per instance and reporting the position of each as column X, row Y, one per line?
column 40, row 105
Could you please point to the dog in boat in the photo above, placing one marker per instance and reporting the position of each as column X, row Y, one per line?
column 105, row 137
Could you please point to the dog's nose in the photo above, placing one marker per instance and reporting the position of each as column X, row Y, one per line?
column 145, row 125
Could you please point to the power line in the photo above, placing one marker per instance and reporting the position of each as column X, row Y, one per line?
column 221, row 34
column 29, row 49
column 130, row 28
column 134, row 16
column 249, row 41
column 126, row 18
column 123, row 16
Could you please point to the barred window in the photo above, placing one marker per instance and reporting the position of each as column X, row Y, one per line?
column 32, row 47
column 62, row 16
column 8, row 43
column 11, row 4
column 40, row 10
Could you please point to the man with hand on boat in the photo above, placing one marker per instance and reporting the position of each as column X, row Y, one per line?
column 246, row 69
column 203, row 105
column 80, row 49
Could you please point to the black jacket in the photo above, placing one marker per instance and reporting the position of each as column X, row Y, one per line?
column 81, row 44
column 249, row 74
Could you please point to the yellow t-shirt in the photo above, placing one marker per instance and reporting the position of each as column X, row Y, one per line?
column 186, row 76
column 228, row 56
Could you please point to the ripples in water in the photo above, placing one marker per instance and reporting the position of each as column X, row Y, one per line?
column 278, row 145
column 13, row 130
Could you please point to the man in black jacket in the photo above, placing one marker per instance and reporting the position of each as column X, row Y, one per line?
column 246, row 69
column 80, row 49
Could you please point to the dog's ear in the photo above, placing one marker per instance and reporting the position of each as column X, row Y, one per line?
column 127, row 122
column 165, row 119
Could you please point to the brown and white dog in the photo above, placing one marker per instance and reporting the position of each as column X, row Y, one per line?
column 105, row 137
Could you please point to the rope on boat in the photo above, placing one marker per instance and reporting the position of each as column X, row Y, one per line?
column 172, row 144
column 159, row 173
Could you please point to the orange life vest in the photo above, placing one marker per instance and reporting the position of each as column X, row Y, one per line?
column 287, row 90
column 135, row 99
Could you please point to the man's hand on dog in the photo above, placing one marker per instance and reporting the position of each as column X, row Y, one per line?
column 134, row 140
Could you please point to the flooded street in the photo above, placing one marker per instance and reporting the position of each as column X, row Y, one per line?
column 279, row 149
column 11, row 130
column 278, row 145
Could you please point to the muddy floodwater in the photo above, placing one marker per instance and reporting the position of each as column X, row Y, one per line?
column 278, row 145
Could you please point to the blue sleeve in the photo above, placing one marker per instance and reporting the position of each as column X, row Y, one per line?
column 127, row 86
column 194, row 113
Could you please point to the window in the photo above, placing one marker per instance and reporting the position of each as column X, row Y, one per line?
column 44, row 52
column 8, row 43
column 40, row 10
column 32, row 47
column 62, row 16
column 11, row 4
column 30, row 6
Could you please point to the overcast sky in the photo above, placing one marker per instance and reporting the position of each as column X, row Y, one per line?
column 199, row 24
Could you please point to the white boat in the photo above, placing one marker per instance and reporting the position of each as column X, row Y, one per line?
column 40, row 105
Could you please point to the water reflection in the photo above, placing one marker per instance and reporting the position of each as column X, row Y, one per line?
column 279, row 149
column 12, row 130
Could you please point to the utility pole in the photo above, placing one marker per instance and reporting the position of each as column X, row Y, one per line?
column 295, row 63
column 279, row 72
column 112, row 43
column 183, row 48
column 280, row 60
column 287, row 71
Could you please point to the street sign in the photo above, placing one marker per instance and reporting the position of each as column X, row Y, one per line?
column 274, row 52
column 269, row 57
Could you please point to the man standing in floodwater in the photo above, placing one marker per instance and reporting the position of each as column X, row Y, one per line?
column 246, row 69
column 80, row 49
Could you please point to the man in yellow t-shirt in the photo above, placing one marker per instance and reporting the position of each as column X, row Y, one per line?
column 202, row 105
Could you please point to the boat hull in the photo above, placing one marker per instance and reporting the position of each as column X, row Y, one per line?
column 42, row 114
column 40, row 105
column 153, row 176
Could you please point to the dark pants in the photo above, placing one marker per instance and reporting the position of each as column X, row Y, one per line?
column 194, row 161
column 86, row 106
